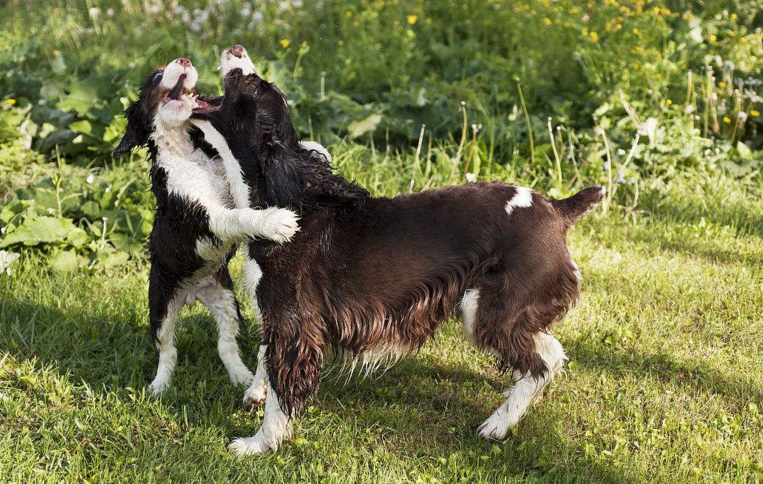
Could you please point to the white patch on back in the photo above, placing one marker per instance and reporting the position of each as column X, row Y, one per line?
column 523, row 198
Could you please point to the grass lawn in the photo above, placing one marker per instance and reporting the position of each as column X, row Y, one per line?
column 663, row 383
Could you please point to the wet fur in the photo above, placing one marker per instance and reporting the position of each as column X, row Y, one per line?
column 365, row 274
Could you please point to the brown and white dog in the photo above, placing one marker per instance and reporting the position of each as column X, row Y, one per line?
column 372, row 278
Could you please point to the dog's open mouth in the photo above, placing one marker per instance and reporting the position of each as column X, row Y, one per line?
column 203, row 107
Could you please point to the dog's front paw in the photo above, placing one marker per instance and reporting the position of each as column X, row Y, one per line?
column 158, row 387
column 241, row 377
column 256, row 394
column 278, row 224
column 250, row 445
column 497, row 426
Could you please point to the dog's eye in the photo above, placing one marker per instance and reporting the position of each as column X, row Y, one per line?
column 158, row 76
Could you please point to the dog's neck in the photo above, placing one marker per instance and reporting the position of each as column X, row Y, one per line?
column 173, row 140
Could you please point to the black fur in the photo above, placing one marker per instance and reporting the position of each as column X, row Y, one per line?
column 178, row 222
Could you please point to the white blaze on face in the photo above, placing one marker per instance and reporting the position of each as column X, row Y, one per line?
column 228, row 62
column 178, row 111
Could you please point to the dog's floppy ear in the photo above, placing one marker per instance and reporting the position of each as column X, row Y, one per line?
column 284, row 180
column 136, row 133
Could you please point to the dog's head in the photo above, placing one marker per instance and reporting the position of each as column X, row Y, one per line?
column 167, row 98
column 251, row 105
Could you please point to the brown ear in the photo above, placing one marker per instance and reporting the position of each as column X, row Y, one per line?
column 581, row 203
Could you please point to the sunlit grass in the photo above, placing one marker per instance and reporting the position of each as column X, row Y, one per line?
column 662, row 384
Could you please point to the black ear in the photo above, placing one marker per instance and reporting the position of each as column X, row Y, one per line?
column 284, row 180
column 136, row 133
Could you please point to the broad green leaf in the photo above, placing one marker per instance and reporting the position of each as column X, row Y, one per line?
column 65, row 261
column 367, row 125
column 40, row 230
column 82, row 126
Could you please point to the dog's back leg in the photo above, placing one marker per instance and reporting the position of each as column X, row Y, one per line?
column 533, row 355
column 219, row 297
column 165, row 299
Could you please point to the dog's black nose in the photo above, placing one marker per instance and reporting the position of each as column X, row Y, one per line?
column 183, row 62
column 238, row 50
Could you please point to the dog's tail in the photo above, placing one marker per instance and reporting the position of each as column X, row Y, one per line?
column 574, row 207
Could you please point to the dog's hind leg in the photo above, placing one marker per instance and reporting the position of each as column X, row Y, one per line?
column 219, row 298
column 528, row 387
column 535, row 356
column 165, row 302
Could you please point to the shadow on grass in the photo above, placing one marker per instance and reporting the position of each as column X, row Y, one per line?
column 697, row 376
column 423, row 408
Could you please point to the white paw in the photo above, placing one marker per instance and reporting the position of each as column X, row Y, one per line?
column 256, row 394
column 250, row 445
column 241, row 377
column 497, row 426
column 158, row 387
column 278, row 224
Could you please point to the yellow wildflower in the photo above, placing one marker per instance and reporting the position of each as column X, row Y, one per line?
column 733, row 16
column 594, row 36
column 12, row 102
column 340, row 43
column 635, row 31
column 668, row 102
column 721, row 84
column 713, row 38
column 412, row 19
column 547, row 21
column 754, row 113
column 726, row 120
column 285, row 43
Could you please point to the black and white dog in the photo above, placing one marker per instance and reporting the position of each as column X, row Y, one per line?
column 372, row 278
column 196, row 227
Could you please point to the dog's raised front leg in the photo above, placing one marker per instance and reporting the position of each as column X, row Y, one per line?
column 276, row 224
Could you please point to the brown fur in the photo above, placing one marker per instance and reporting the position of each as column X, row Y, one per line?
column 364, row 274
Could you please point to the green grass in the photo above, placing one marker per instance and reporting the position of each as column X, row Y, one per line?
column 663, row 385
column 664, row 382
